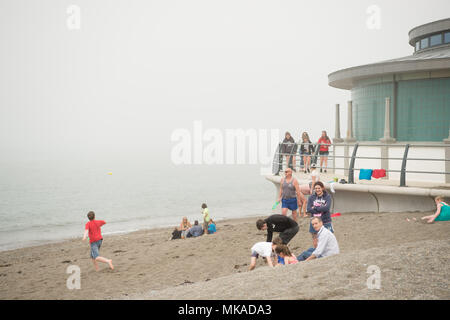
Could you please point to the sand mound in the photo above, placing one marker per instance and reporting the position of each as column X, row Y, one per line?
column 411, row 271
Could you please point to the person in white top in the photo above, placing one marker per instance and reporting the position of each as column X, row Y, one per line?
column 263, row 249
column 326, row 241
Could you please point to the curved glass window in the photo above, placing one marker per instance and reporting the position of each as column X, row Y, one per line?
column 433, row 41
column 368, row 110
column 423, row 110
column 447, row 37
column 424, row 43
column 436, row 40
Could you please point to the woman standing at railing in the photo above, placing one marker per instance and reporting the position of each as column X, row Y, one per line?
column 306, row 150
column 289, row 148
column 324, row 142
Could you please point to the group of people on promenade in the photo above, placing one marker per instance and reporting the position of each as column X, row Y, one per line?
column 307, row 150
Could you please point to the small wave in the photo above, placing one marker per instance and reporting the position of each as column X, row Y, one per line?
column 120, row 231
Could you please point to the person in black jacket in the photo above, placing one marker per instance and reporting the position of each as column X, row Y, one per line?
column 287, row 227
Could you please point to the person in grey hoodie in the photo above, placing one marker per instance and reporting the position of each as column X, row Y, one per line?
column 319, row 205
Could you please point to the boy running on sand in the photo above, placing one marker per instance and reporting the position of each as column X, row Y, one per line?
column 95, row 239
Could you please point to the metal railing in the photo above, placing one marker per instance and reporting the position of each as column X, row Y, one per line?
column 292, row 150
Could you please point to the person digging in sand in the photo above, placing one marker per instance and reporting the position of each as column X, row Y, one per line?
column 263, row 249
column 95, row 239
column 287, row 227
column 442, row 212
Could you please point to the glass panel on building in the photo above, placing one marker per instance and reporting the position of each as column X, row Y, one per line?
column 417, row 45
column 447, row 37
column 423, row 110
column 424, row 43
column 436, row 40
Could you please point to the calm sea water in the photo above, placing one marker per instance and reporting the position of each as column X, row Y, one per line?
column 46, row 202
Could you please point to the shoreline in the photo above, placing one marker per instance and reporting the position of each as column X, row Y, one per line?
column 150, row 266
column 38, row 243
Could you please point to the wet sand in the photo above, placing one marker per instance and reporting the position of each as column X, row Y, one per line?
column 413, row 258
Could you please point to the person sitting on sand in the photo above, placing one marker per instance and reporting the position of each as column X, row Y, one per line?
column 95, row 239
column 284, row 252
column 326, row 241
column 287, row 227
column 195, row 231
column 176, row 234
column 184, row 227
column 263, row 249
column 211, row 227
column 305, row 254
column 442, row 212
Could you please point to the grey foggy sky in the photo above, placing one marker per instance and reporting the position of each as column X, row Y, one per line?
column 137, row 70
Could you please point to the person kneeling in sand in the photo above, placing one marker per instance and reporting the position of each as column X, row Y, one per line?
column 263, row 249
column 326, row 241
column 442, row 212
column 95, row 239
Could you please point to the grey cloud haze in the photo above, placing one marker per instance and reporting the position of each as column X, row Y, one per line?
column 138, row 70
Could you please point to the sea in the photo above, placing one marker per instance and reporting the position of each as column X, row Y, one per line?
column 47, row 202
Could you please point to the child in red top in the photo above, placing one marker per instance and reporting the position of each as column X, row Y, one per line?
column 95, row 239
column 323, row 151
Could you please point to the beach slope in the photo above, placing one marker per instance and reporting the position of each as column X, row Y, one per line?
column 413, row 259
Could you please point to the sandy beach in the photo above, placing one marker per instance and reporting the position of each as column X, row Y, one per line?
column 413, row 259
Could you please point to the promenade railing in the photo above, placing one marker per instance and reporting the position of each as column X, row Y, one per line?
column 290, row 151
